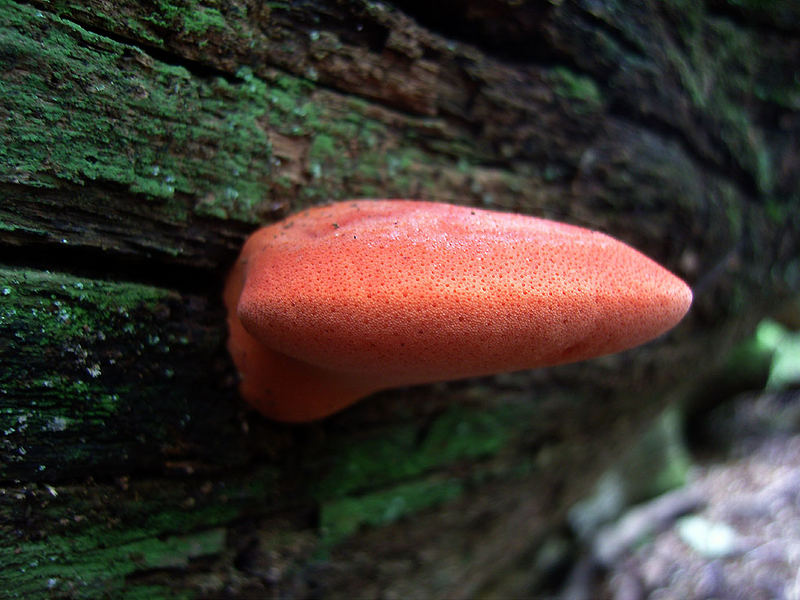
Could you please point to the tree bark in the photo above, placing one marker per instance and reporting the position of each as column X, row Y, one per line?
column 142, row 142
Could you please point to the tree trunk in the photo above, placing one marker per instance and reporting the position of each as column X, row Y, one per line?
column 142, row 142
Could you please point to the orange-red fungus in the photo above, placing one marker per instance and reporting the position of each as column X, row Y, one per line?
column 339, row 301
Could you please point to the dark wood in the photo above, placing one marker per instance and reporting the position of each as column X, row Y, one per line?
column 142, row 142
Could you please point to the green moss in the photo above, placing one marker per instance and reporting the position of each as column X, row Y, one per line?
column 138, row 28
column 341, row 518
column 153, row 188
column 397, row 473
column 669, row 459
column 784, row 346
column 182, row 142
column 398, row 454
column 14, row 227
column 121, row 117
column 201, row 19
column 176, row 551
column 90, row 566
column 63, row 307
column 150, row 527
column 61, row 373
column 717, row 68
column 577, row 87
column 188, row 16
column 323, row 147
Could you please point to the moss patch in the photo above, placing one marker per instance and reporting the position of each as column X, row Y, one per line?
column 577, row 87
column 83, row 567
column 400, row 453
column 80, row 358
column 201, row 143
column 98, row 536
column 124, row 118
column 375, row 481
column 344, row 517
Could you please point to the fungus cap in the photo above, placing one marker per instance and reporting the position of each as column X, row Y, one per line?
column 339, row 301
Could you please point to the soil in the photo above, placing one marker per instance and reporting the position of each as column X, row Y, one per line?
column 742, row 539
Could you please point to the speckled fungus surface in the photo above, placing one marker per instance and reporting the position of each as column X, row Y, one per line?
column 339, row 301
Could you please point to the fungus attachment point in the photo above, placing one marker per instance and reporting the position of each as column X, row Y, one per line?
column 340, row 301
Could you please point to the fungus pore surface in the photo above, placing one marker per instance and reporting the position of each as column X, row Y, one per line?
column 339, row 301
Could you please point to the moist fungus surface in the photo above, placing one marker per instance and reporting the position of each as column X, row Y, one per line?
column 342, row 300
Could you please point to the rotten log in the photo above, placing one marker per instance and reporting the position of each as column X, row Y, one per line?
column 142, row 142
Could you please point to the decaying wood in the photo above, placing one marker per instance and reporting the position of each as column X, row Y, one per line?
column 142, row 142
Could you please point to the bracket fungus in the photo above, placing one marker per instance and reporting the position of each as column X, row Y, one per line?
column 343, row 300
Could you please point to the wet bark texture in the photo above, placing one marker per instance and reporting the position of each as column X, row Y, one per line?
column 141, row 142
